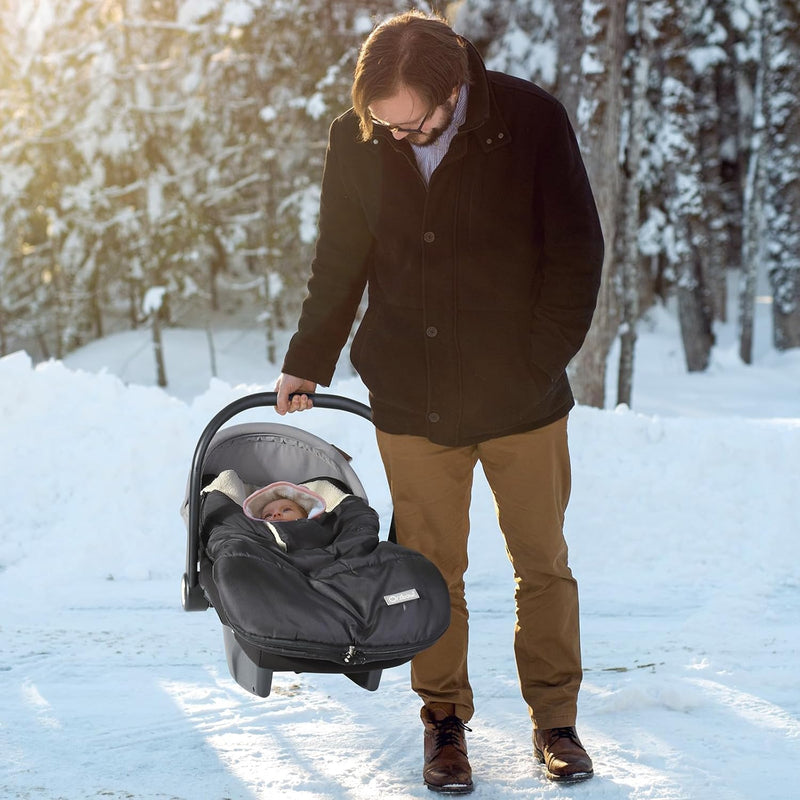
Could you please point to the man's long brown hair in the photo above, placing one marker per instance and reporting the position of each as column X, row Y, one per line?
column 414, row 50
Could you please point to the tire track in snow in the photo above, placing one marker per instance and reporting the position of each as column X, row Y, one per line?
column 757, row 711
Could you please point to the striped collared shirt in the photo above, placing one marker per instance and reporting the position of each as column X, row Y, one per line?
column 429, row 156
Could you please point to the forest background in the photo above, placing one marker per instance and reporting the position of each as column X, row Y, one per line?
column 160, row 160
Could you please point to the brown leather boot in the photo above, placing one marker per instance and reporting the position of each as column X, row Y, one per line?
column 563, row 755
column 446, row 767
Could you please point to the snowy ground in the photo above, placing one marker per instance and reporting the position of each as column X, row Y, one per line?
column 684, row 537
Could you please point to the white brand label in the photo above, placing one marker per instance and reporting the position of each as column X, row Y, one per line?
column 401, row 597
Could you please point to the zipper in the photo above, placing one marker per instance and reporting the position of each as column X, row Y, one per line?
column 352, row 655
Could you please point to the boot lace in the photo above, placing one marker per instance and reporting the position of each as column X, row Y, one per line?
column 549, row 742
column 564, row 733
column 450, row 731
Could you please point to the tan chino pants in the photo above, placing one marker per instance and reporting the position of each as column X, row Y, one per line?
column 529, row 475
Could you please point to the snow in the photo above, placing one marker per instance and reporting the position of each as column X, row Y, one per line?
column 589, row 13
column 524, row 57
column 587, row 108
column 155, row 197
column 268, row 114
column 192, row 11
column 315, row 105
column 36, row 20
column 590, row 63
column 153, row 299
column 239, row 13
column 683, row 536
column 704, row 59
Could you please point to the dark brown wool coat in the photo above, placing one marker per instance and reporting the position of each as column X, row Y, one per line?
column 481, row 285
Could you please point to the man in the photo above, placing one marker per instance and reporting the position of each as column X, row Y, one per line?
column 459, row 198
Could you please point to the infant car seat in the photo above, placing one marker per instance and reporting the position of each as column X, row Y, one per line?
column 383, row 608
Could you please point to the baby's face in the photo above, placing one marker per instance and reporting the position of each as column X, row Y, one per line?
column 283, row 510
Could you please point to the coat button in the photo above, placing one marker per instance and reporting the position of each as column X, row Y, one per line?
column 433, row 417
column 431, row 332
column 429, row 236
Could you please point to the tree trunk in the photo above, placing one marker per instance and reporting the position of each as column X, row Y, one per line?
column 684, row 197
column 216, row 264
column 752, row 234
column 629, row 245
column 158, row 348
column 715, row 239
column 42, row 342
column 96, row 304
column 782, row 201
column 592, row 45
column 695, row 328
column 58, row 293
column 269, row 318
column 212, row 352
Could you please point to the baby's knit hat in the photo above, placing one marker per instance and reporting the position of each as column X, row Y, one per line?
column 313, row 503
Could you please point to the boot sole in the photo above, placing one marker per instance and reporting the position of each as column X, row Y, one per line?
column 576, row 777
column 451, row 788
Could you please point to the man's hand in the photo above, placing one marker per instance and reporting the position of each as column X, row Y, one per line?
column 289, row 384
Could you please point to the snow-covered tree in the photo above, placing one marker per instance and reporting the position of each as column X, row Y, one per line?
column 709, row 59
column 592, row 45
column 752, row 55
column 519, row 37
column 782, row 168
column 637, row 66
column 171, row 143
column 686, row 221
column 180, row 144
column 575, row 49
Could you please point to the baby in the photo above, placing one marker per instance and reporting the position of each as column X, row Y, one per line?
column 283, row 502
column 284, row 510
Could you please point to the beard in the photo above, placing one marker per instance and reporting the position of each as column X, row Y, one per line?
column 431, row 136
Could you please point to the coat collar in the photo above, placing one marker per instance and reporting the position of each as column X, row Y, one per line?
column 484, row 120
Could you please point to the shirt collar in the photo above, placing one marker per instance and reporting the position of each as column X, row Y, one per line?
column 460, row 115
column 440, row 146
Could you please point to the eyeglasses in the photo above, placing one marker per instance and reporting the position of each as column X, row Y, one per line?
column 398, row 128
